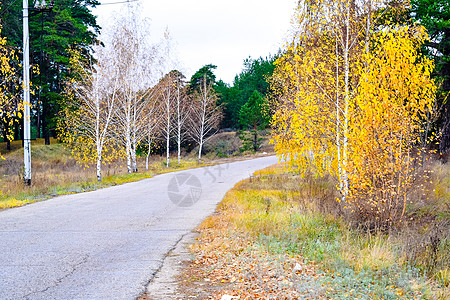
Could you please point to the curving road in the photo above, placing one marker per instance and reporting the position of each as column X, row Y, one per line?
column 108, row 244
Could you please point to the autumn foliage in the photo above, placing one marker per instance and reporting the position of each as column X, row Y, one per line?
column 394, row 97
column 10, row 106
column 353, row 101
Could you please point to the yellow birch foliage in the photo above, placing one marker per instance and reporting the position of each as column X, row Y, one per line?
column 305, row 119
column 394, row 96
column 10, row 106
column 351, row 106
column 85, row 122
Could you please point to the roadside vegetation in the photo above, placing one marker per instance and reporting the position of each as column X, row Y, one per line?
column 114, row 102
column 362, row 209
column 113, row 110
column 279, row 235
column 57, row 172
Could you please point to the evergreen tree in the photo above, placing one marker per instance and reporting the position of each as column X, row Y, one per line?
column 254, row 77
column 435, row 16
column 254, row 115
column 69, row 24
column 204, row 73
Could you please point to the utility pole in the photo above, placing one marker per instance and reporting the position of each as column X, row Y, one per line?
column 26, row 98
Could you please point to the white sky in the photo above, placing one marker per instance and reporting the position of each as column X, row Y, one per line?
column 222, row 33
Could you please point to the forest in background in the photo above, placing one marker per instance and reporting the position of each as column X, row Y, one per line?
column 70, row 26
column 67, row 57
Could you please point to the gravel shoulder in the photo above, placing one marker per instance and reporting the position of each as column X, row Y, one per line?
column 165, row 283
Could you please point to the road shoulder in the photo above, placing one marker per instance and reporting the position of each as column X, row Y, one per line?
column 165, row 283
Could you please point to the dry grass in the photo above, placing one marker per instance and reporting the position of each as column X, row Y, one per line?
column 269, row 223
column 228, row 144
column 54, row 172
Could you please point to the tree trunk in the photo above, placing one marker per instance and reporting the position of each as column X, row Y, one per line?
column 6, row 139
column 338, row 121
column 179, row 138
column 128, row 150
column 178, row 124
column 347, row 101
column 99, row 166
column 179, row 150
column 202, row 129
column 133, row 159
column 148, row 154
column 168, row 128
column 133, row 149
column 167, row 146
column 200, row 146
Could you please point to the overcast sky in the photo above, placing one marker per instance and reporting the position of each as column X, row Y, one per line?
column 222, row 33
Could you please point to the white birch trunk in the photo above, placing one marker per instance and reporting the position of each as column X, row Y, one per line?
column 368, row 25
column 133, row 148
column 168, row 127
column 205, row 117
column 128, row 150
column 347, row 99
column 134, row 137
column 97, row 139
column 99, row 164
column 338, row 121
column 200, row 146
column 202, row 130
column 178, row 124
column 133, row 159
column 99, row 153
column 128, row 133
column 148, row 153
column 128, row 145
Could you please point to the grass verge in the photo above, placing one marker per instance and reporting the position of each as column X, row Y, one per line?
column 55, row 173
column 280, row 236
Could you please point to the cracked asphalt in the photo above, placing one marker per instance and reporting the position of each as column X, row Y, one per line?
column 109, row 243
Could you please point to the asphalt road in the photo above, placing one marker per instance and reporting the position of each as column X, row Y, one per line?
column 109, row 243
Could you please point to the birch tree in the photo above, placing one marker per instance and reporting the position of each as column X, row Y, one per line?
column 10, row 106
column 154, row 121
column 205, row 115
column 125, row 47
column 167, row 96
column 395, row 96
column 182, row 111
column 320, row 83
column 321, row 66
column 92, row 104
column 168, row 90
column 135, row 60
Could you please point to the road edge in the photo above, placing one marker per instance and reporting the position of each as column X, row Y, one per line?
column 165, row 282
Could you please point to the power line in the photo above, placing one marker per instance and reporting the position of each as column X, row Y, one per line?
column 121, row 2
column 4, row 10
